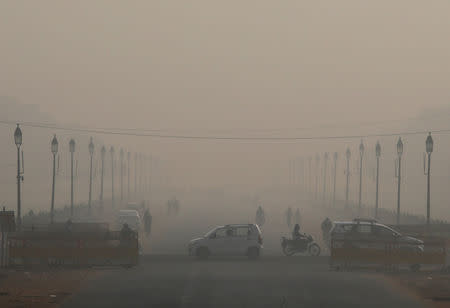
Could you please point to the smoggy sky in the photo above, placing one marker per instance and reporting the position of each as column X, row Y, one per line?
column 232, row 68
column 197, row 65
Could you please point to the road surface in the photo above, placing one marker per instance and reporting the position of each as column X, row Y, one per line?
column 270, row 282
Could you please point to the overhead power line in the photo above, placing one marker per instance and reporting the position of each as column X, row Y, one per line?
column 131, row 132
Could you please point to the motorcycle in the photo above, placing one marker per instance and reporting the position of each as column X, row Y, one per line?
column 303, row 245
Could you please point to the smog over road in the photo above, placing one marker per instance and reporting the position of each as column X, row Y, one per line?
column 224, row 154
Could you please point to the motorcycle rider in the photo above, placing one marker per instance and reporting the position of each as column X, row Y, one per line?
column 300, row 243
column 300, row 240
column 296, row 233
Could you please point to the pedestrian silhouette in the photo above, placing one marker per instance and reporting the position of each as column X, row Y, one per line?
column 289, row 217
column 147, row 222
column 260, row 216
column 297, row 217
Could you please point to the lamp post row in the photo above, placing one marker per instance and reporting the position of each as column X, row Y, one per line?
column 400, row 148
column 54, row 147
column 54, row 150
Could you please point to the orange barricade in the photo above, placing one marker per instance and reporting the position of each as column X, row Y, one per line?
column 73, row 248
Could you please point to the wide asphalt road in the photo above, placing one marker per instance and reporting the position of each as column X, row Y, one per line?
column 270, row 282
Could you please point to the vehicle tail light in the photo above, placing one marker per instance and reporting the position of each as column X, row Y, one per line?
column 260, row 240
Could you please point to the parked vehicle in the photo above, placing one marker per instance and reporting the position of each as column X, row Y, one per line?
column 376, row 243
column 368, row 232
column 303, row 245
column 229, row 240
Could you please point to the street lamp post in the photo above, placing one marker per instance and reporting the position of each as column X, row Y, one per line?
column 128, row 175
column 150, row 175
column 317, row 175
column 377, row 154
column 290, row 172
column 91, row 154
column 18, row 142
column 140, row 173
column 429, row 149
column 347, row 156
column 135, row 174
column 144, row 168
column 54, row 149
column 309, row 186
column 335, row 157
column 71, row 150
column 302, row 176
column 361, row 154
column 103, row 154
column 112, row 176
column 399, row 175
column 121, row 175
column 325, row 161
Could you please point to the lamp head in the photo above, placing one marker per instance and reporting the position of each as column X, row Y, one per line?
column 361, row 148
column 18, row 136
column 378, row 149
column 400, row 146
column 348, row 153
column 91, row 147
column 54, row 145
column 103, row 151
column 429, row 144
column 71, row 146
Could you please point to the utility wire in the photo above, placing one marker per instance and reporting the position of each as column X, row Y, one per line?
column 228, row 130
column 206, row 137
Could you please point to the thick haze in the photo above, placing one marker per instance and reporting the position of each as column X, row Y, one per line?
column 233, row 68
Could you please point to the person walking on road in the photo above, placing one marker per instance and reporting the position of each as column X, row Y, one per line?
column 260, row 216
column 147, row 222
column 289, row 217
column 326, row 228
column 173, row 207
column 297, row 218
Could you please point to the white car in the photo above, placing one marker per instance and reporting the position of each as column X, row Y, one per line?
column 229, row 240
column 368, row 232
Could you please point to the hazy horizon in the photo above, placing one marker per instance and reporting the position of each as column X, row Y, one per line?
column 230, row 69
